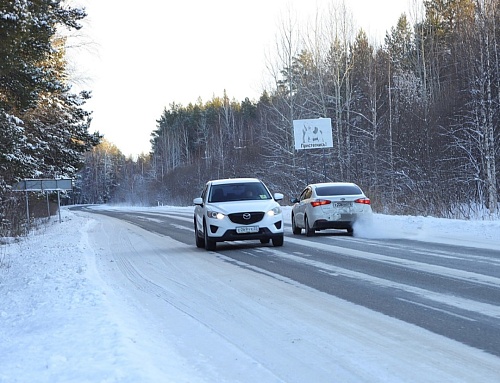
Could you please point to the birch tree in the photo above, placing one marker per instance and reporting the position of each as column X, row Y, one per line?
column 280, row 150
column 484, row 108
column 340, row 36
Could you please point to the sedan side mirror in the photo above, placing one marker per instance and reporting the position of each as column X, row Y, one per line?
column 294, row 200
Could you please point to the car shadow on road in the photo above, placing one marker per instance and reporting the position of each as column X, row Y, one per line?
column 329, row 233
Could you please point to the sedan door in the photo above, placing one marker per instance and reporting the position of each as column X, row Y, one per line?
column 300, row 208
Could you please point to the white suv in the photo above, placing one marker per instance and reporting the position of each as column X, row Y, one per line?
column 237, row 209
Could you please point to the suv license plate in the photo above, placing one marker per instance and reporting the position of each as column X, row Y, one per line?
column 247, row 229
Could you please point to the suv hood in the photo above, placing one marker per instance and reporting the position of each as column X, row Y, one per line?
column 243, row 206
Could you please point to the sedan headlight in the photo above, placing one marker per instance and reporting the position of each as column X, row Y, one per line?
column 274, row 211
column 215, row 214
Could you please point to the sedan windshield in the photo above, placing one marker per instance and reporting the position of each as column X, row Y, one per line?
column 338, row 190
column 238, row 192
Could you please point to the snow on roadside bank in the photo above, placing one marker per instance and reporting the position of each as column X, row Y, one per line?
column 55, row 323
column 480, row 234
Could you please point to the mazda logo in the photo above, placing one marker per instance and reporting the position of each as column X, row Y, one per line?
column 247, row 215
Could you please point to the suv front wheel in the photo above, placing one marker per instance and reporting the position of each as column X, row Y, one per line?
column 200, row 242
column 210, row 244
column 278, row 241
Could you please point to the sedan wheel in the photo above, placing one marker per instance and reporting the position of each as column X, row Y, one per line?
column 295, row 229
column 309, row 231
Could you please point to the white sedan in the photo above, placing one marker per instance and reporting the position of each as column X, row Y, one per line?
column 237, row 209
column 332, row 205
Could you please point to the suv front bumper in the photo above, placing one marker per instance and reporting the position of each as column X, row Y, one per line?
column 220, row 234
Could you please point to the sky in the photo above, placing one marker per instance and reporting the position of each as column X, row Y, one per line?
column 177, row 314
column 138, row 60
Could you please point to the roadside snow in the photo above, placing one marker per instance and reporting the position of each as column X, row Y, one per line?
column 65, row 318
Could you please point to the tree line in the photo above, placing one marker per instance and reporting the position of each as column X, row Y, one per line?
column 415, row 120
column 43, row 125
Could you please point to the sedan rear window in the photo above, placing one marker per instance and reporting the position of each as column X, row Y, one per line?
column 338, row 190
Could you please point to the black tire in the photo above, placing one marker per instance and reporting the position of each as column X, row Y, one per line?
column 210, row 244
column 200, row 242
column 350, row 231
column 309, row 231
column 295, row 229
column 264, row 240
column 278, row 241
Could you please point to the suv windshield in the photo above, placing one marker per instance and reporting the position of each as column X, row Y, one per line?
column 338, row 190
column 238, row 192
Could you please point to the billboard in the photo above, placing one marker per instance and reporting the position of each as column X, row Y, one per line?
column 43, row 185
column 313, row 134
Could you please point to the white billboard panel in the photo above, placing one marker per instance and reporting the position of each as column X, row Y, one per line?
column 313, row 134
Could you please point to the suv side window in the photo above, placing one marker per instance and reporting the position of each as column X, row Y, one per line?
column 204, row 193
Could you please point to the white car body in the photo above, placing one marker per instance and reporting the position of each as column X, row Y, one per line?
column 237, row 209
column 329, row 205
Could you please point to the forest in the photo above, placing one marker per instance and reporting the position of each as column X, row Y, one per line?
column 44, row 128
column 415, row 120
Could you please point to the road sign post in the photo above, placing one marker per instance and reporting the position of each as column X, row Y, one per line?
column 44, row 185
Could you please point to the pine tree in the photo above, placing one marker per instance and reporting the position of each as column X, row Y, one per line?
column 27, row 29
column 44, row 127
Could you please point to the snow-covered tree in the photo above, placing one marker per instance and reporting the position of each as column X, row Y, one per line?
column 45, row 128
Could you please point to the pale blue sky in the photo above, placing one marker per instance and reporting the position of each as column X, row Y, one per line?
column 151, row 53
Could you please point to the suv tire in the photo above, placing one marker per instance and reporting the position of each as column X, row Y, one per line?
column 200, row 242
column 210, row 244
column 278, row 241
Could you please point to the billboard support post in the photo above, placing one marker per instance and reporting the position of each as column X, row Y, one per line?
column 324, row 166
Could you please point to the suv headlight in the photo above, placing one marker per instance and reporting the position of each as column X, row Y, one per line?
column 274, row 211
column 215, row 214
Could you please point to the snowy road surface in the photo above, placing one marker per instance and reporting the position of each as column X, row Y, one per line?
column 96, row 299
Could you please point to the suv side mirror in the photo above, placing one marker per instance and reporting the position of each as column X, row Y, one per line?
column 198, row 201
column 278, row 196
column 294, row 200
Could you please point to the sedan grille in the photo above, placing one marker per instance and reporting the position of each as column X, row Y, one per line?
column 246, row 218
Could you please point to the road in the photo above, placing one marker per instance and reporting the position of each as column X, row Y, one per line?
column 453, row 291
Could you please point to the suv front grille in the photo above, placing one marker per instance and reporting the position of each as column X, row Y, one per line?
column 242, row 219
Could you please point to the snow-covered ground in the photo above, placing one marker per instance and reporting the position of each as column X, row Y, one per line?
column 64, row 317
